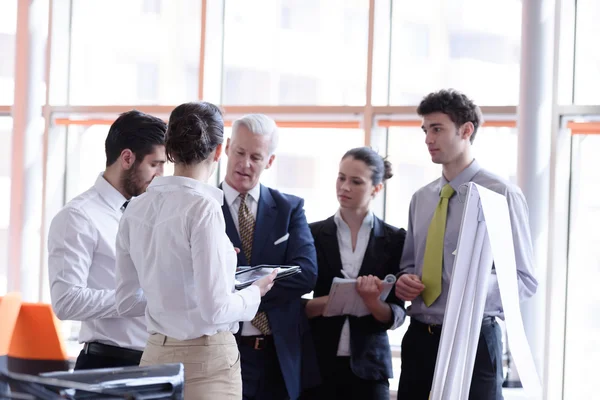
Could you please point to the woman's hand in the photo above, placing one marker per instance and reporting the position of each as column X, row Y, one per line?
column 369, row 288
column 266, row 283
column 315, row 307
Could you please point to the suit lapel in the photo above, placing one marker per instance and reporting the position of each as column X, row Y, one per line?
column 265, row 219
column 375, row 253
column 232, row 233
column 332, row 248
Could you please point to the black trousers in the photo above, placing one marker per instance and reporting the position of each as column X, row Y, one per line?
column 261, row 375
column 419, row 354
column 93, row 361
column 340, row 382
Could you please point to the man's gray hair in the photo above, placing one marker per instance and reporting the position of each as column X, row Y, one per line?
column 259, row 124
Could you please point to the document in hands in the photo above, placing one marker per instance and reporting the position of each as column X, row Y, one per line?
column 345, row 300
column 246, row 276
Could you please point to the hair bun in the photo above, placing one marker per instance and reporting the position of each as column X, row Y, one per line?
column 388, row 171
column 194, row 131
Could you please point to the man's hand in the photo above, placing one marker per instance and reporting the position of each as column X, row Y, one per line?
column 408, row 287
column 369, row 288
column 315, row 307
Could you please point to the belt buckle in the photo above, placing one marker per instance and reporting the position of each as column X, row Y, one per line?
column 429, row 328
column 259, row 343
column 86, row 347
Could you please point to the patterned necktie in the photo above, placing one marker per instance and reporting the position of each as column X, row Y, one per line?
column 434, row 249
column 246, row 223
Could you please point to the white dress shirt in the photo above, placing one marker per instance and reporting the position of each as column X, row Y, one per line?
column 172, row 245
column 351, row 262
column 81, row 268
column 232, row 198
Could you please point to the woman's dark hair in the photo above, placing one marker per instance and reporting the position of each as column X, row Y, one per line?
column 194, row 131
column 382, row 168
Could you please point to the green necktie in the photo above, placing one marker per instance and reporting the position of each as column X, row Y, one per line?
column 434, row 249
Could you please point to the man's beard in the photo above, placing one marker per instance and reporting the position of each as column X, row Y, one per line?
column 132, row 183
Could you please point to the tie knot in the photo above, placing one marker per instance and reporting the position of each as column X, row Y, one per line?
column 243, row 197
column 447, row 191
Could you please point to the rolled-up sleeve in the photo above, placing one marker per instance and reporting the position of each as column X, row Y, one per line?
column 398, row 315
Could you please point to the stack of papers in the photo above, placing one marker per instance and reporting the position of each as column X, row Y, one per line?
column 345, row 300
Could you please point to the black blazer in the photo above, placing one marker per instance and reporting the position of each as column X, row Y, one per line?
column 370, row 348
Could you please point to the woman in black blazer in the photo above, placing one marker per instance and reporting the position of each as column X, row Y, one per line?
column 354, row 352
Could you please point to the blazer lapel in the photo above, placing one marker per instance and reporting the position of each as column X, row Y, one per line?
column 232, row 233
column 265, row 219
column 375, row 253
column 332, row 248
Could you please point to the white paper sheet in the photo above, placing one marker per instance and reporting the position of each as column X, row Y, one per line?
column 485, row 237
column 495, row 209
column 464, row 310
column 345, row 300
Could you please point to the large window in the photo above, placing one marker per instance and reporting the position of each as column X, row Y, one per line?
column 134, row 52
column 470, row 45
column 298, row 52
column 582, row 341
column 8, row 28
column 260, row 55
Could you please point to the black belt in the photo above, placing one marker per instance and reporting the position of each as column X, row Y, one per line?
column 106, row 350
column 436, row 329
column 256, row 342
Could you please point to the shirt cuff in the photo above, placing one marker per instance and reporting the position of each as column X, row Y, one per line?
column 398, row 316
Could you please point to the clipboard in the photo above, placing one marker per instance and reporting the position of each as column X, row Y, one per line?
column 246, row 276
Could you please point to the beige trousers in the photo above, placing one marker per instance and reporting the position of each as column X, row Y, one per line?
column 211, row 364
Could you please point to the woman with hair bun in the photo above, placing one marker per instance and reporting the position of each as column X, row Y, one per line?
column 176, row 265
column 354, row 352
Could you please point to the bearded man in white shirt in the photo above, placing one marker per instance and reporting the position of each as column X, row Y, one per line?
column 81, row 244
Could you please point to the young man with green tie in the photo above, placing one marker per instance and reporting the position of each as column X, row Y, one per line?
column 450, row 124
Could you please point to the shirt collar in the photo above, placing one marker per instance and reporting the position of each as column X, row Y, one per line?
column 231, row 194
column 173, row 183
column 112, row 196
column 464, row 177
column 367, row 221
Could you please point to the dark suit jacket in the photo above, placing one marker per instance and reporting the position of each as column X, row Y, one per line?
column 369, row 345
column 277, row 215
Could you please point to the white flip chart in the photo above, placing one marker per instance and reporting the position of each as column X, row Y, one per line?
column 485, row 237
